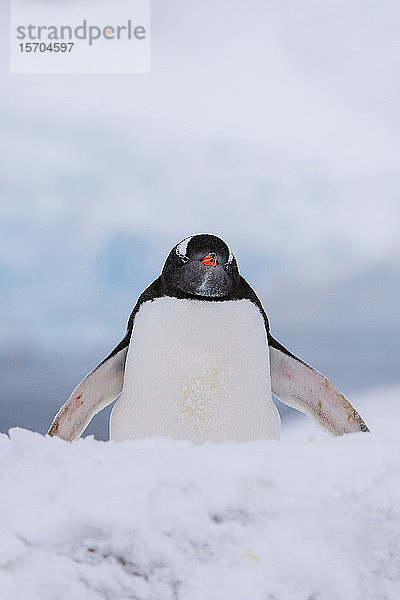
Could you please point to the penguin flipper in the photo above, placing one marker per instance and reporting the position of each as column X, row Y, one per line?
column 300, row 386
column 102, row 385
column 98, row 389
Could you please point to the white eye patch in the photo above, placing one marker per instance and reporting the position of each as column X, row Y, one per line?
column 182, row 247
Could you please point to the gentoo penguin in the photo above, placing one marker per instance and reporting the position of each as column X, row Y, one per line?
column 198, row 362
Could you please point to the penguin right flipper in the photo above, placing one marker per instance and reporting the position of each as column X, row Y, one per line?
column 300, row 386
column 98, row 389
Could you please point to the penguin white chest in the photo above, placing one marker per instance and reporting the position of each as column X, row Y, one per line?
column 198, row 371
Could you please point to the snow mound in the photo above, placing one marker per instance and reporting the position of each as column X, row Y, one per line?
column 164, row 520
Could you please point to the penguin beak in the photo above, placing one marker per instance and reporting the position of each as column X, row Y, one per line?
column 210, row 260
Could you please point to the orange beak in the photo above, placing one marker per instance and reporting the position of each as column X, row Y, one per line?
column 210, row 260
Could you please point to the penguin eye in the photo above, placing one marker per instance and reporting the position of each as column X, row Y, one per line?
column 184, row 258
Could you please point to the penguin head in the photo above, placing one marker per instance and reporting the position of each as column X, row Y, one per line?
column 201, row 266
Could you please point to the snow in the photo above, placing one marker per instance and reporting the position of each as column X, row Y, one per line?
column 301, row 519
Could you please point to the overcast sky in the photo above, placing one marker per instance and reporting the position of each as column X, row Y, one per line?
column 274, row 125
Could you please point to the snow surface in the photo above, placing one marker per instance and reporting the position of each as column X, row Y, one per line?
column 300, row 519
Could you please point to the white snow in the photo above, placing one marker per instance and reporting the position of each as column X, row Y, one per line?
column 159, row 519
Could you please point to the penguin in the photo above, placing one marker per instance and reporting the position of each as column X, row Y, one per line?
column 198, row 362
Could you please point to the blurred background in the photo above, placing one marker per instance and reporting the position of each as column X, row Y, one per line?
column 274, row 125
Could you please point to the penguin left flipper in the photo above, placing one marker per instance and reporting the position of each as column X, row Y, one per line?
column 300, row 386
column 98, row 389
